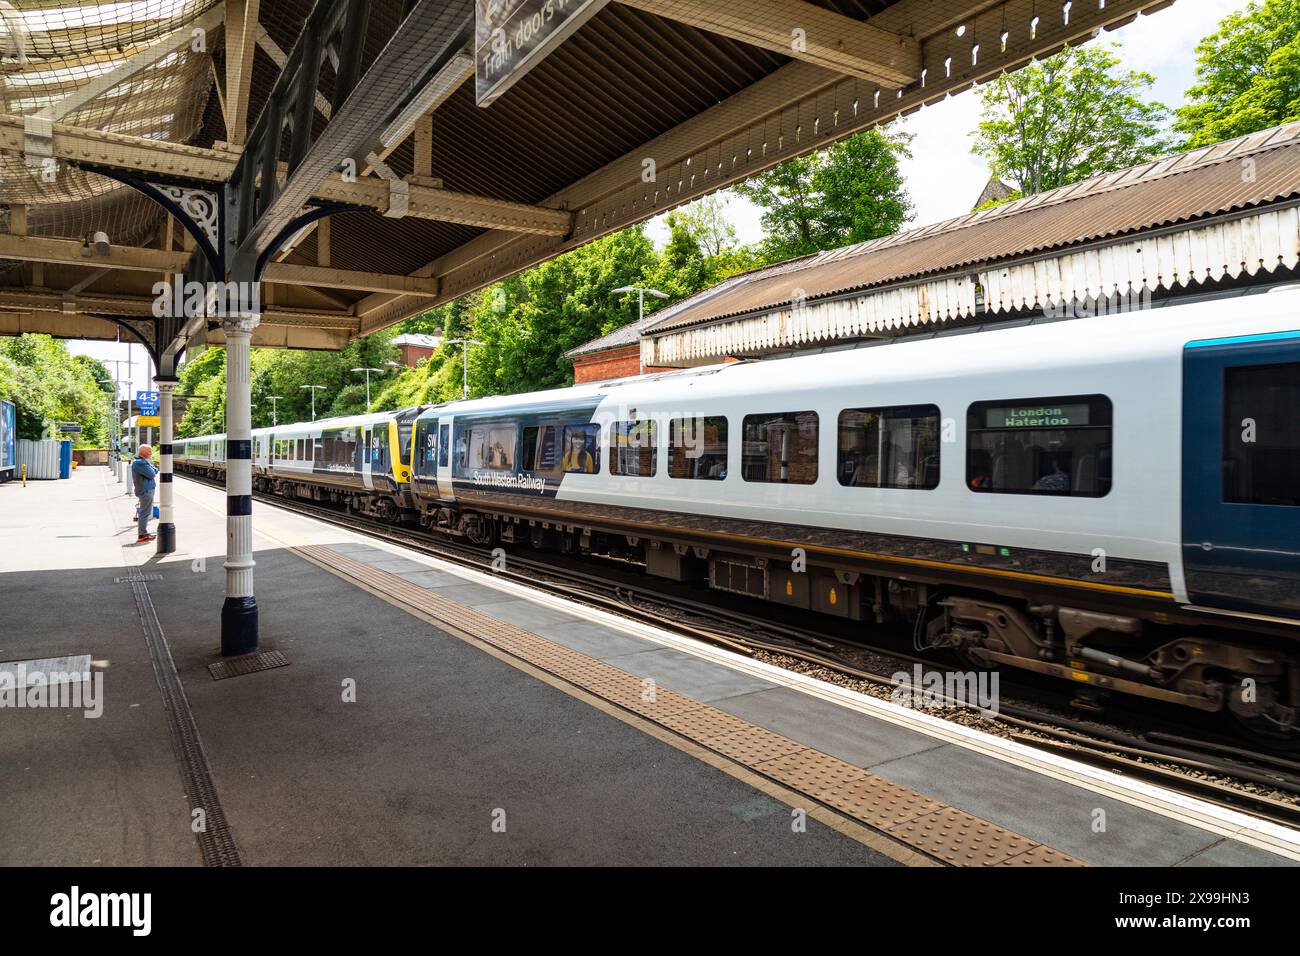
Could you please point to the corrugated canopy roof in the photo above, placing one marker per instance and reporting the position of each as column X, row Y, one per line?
column 1236, row 174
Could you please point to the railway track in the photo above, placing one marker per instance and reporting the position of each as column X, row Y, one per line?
column 1262, row 784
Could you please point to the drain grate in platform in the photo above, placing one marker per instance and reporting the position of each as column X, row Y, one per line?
column 247, row 664
column 142, row 577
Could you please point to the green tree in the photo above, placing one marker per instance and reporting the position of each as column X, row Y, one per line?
column 706, row 219
column 49, row 386
column 851, row 192
column 1066, row 118
column 529, row 321
column 202, row 383
column 1248, row 75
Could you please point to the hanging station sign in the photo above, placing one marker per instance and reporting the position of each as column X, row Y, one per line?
column 513, row 36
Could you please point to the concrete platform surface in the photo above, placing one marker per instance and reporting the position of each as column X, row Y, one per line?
column 390, row 740
column 447, row 756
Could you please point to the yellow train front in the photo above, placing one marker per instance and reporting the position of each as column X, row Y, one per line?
column 361, row 462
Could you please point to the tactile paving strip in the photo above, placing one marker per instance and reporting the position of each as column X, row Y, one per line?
column 913, row 819
column 961, row 839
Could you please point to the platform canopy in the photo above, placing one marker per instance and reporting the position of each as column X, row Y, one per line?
column 337, row 151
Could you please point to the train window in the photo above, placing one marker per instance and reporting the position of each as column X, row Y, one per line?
column 462, row 451
column 1261, row 435
column 581, row 449
column 477, row 448
column 632, row 449
column 444, row 440
column 426, row 449
column 404, row 430
column 302, row 452
column 889, row 447
column 501, row 448
column 540, row 449
column 1040, row 446
column 697, row 448
column 780, row 447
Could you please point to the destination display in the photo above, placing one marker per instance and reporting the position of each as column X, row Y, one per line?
column 1036, row 416
column 513, row 36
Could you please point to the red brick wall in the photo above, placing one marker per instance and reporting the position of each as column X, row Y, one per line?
column 413, row 353
column 614, row 363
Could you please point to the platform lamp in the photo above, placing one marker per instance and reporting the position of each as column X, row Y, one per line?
column 368, row 370
column 640, row 314
column 314, row 389
column 112, row 427
column 275, row 412
column 465, row 357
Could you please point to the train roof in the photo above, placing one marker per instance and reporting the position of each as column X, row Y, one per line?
column 1095, row 340
column 342, row 421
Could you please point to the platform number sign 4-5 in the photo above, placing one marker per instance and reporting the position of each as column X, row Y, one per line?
column 147, row 402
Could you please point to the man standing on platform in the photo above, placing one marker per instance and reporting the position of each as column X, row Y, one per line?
column 142, row 478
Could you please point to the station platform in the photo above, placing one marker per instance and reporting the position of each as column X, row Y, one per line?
column 406, row 711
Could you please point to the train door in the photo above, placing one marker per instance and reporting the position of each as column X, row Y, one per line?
column 424, row 458
column 1241, row 473
column 445, row 455
column 366, row 450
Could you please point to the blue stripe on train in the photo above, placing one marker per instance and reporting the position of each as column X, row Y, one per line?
column 1238, row 339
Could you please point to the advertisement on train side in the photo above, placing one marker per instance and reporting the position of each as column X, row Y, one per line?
column 513, row 36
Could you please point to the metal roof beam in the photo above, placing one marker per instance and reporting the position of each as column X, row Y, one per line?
column 242, row 31
column 133, row 258
column 141, row 306
column 803, row 31
column 175, row 161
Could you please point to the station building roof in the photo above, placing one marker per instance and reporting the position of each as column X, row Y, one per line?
column 1222, row 210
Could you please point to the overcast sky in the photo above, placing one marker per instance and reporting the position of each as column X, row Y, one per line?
column 943, row 177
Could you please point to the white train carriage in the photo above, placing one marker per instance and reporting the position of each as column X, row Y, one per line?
column 1098, row 499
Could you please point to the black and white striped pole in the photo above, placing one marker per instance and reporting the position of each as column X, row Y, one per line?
column 166, row 526
column 239, row 612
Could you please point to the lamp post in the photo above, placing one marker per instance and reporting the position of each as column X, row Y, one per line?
column 640, row 315
column 117, row 422
column 368, row 371
column 275, row 415
column 465, row 356
column 314, row 389
column 112, row 425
